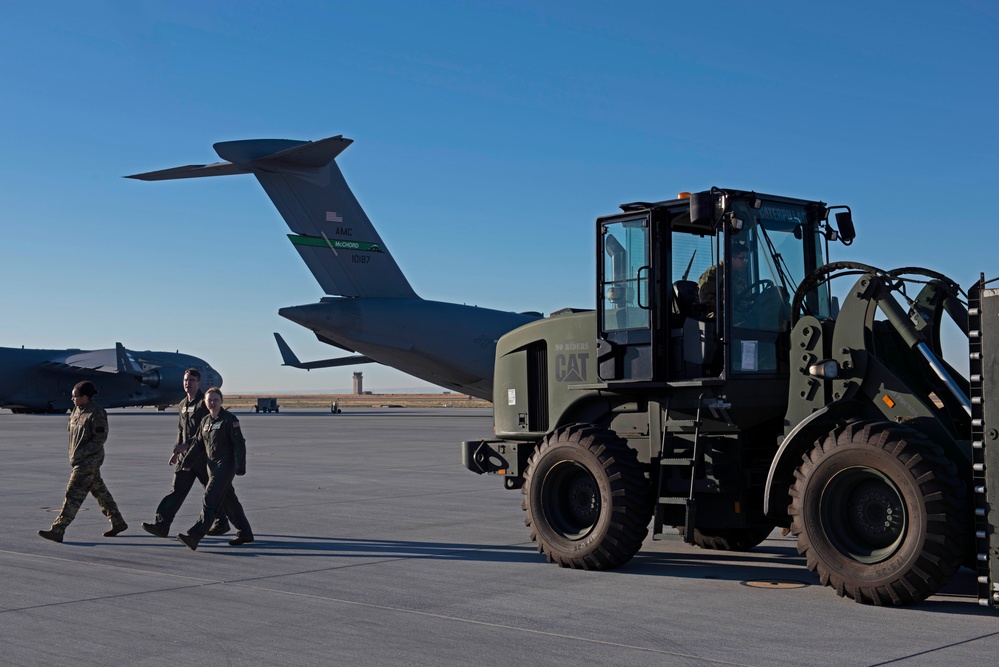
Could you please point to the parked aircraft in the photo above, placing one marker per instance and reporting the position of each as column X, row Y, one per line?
column 42, row 380
column 372, row 310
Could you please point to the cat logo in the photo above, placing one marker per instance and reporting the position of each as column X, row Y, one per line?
column 571, row 367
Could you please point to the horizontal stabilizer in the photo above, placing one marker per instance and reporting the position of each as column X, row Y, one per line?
column 192, row 171
column 291, row 359
column 243, row 156
column 312, row 154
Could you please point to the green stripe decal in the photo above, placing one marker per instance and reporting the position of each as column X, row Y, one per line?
column 320, row 242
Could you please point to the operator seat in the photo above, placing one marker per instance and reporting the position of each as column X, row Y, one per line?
column 685, row 302
column 692, row 334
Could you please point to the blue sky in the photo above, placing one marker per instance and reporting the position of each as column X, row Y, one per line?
column 488, row 137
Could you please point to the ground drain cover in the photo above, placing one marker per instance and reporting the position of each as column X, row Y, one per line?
column 774, row 583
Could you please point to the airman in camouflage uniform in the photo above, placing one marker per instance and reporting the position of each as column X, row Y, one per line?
column 88, row 431
column 740, row 283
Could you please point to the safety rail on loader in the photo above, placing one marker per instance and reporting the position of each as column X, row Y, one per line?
column 983, row 319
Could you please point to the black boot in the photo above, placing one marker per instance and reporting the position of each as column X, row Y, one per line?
column 221, row 527
column 157, row 529
column 116, row 528
column 54, row 534
column 190, row 540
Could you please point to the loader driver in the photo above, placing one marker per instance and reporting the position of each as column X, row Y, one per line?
column 706, row 292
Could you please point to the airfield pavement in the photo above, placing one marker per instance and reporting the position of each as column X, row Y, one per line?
column 374, row 546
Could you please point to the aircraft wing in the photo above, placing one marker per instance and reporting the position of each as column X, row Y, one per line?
column 290, row 359
column 94, row 361
column 62, row 367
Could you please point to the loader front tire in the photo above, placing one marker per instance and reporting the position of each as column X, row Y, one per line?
column 879, row 510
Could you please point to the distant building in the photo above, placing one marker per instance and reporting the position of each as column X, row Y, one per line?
column 358, row 384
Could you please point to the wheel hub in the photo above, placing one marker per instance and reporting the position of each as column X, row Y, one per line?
column 572, row 499
column 863, row 514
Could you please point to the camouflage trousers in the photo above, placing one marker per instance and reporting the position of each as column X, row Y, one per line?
column 84, row 480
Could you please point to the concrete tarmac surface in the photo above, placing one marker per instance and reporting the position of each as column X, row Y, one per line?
column 374, row 546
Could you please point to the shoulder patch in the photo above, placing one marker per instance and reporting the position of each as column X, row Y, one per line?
column 235, row 424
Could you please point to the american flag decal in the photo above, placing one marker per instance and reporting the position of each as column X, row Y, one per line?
column 331, row 216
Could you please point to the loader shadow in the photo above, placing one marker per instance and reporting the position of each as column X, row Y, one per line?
column 762, row 562
column 778, row 564
column 781, row 565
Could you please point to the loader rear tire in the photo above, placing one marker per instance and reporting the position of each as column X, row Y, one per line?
column 879, row 510
column 587, row 499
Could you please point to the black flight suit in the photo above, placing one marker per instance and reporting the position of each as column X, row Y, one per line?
column 226, row 449
column 191, row 465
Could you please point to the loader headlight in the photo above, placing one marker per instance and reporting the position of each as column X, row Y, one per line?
column 827, row 368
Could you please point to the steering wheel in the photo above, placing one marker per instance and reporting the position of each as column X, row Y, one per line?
column 752, row 292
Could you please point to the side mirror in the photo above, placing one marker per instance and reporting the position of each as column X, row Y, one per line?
column 844, row 221
column 702, row 209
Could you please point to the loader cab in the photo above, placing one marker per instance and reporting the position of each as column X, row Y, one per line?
column 700, row 286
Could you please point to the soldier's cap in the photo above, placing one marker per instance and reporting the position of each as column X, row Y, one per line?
column 85, row 388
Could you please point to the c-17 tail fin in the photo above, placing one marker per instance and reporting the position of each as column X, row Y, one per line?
column 291, row 359
column 330, row 229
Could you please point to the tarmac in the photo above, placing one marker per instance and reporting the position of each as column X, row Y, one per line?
column 374, row 546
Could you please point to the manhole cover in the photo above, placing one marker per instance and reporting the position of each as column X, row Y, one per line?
column 774, row 583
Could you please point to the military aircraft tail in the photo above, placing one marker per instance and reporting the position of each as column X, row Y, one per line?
column 330, row 229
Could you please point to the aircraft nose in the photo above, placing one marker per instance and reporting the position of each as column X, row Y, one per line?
column 214, row 378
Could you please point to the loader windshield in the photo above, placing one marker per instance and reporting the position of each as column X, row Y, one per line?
column 783, row 246
column 780, row 245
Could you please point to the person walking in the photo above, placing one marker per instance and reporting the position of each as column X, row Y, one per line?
column 88, row 431
column 189, row 460
column 226, row 451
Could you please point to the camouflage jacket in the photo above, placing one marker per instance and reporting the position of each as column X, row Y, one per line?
column 706, row 288
column 223, row 440
column 88, row 431
column 191, row 414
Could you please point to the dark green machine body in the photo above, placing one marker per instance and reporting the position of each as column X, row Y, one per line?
column 719, row 389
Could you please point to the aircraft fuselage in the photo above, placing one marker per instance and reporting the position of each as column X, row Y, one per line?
column 447, row 344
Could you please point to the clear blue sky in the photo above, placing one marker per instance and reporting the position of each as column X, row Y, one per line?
column 488, row 137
